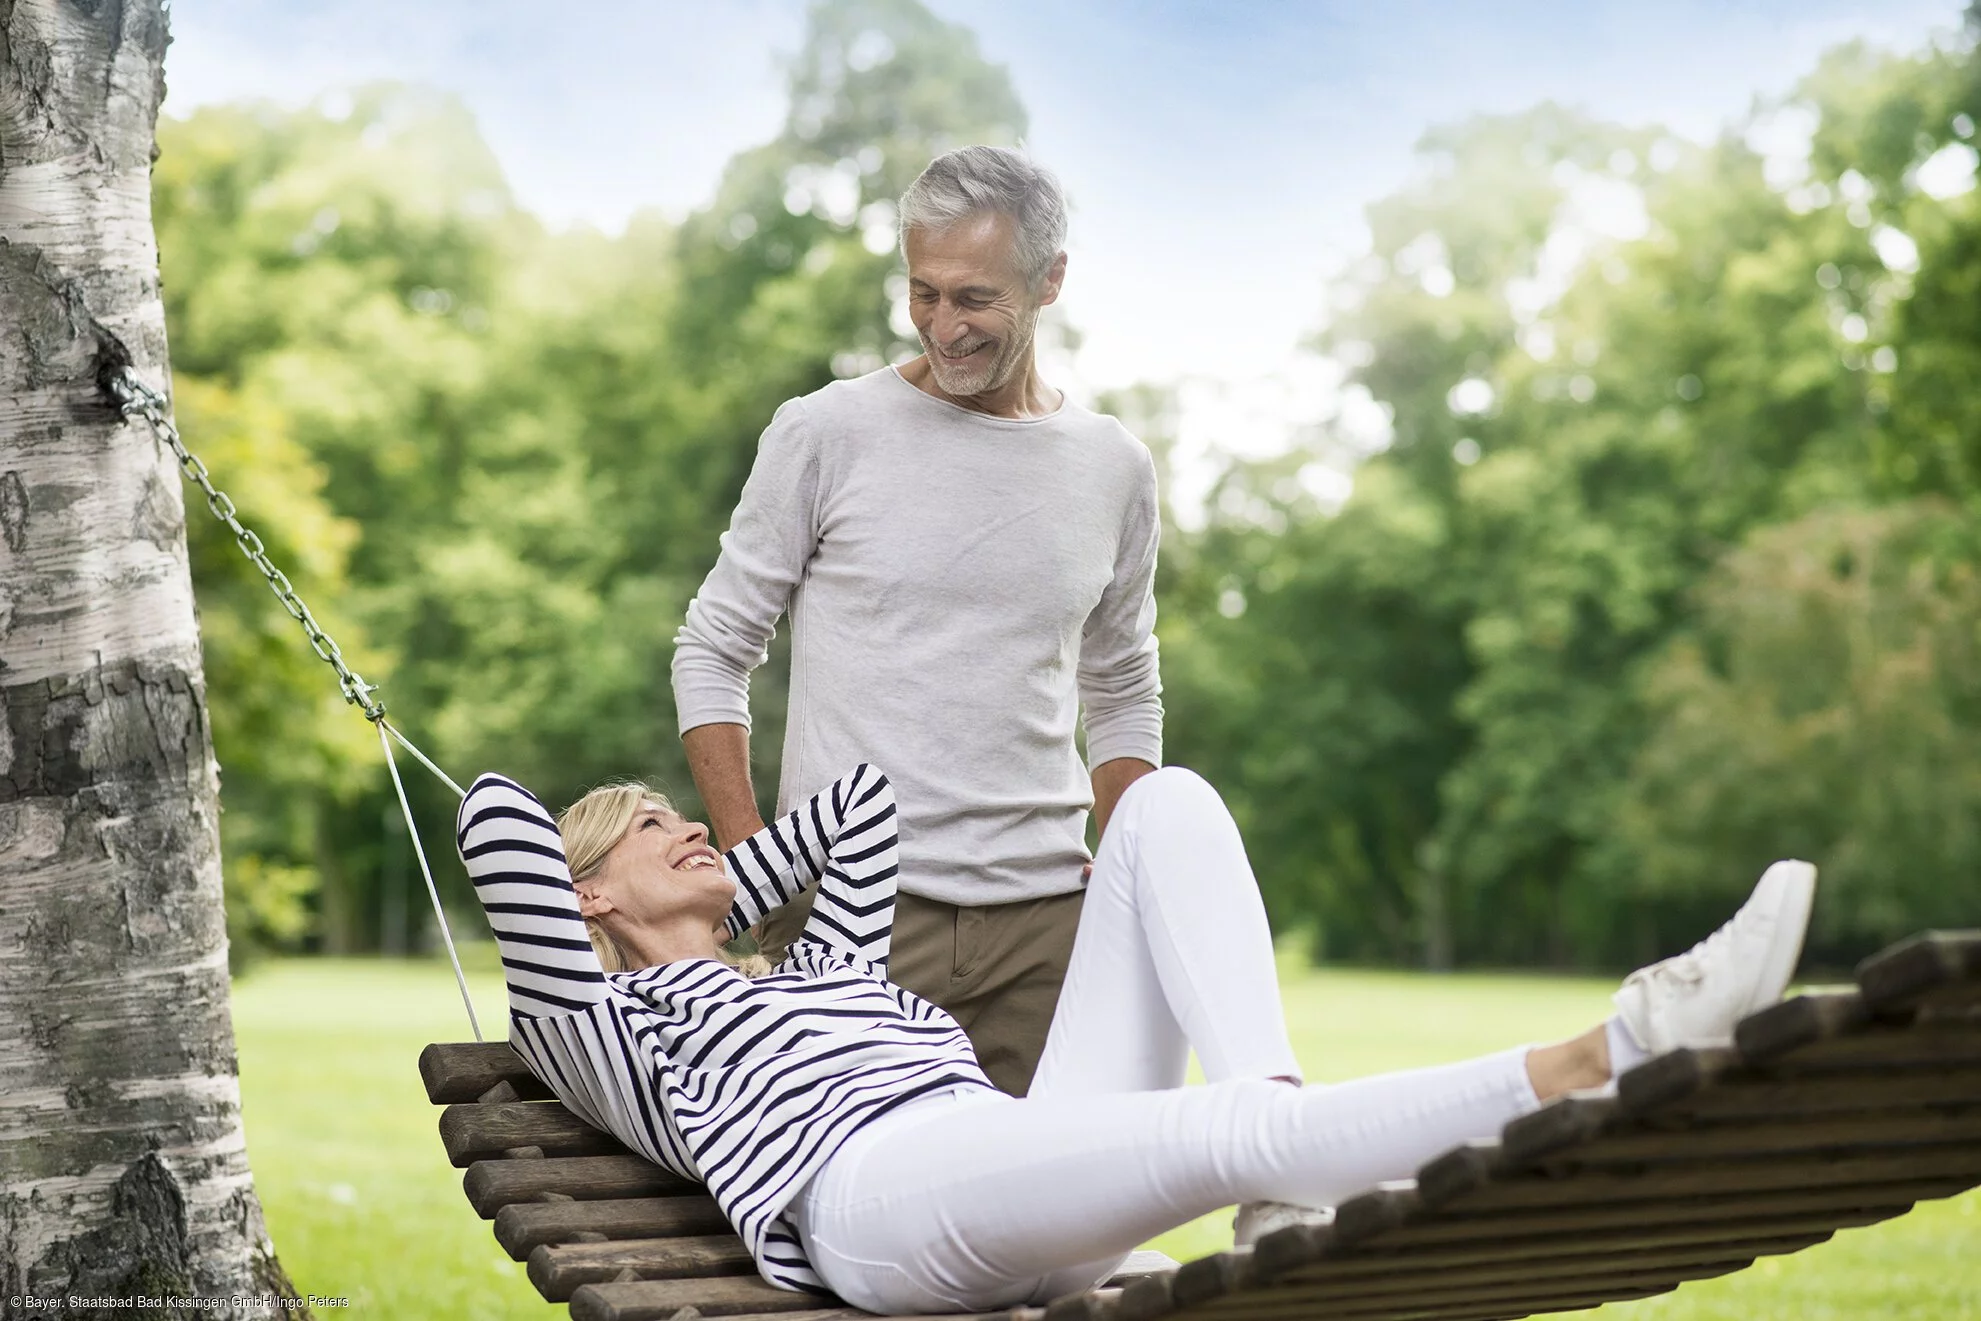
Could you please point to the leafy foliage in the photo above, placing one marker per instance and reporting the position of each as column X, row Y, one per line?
column 498, row 458
column 1578, row 657
column 1662, row 565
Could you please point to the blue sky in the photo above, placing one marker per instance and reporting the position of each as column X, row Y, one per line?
column 1218, row 155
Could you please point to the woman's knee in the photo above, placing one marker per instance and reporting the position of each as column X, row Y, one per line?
column 1173, row 798
column 1170, row 788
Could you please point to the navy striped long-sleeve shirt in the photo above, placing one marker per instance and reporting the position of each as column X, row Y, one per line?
column 746, row 1085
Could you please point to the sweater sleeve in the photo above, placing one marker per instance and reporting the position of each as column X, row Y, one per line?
column 846, row 838
column 515, row 858
column 772, row 535
column 564, row 1020
column 1120, row 681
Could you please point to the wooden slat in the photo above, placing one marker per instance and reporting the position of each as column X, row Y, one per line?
column 1675, row 1076
column 817, row 1314
column 1798, row 1022
column 1516, row 1279
column 1377, row 1211
column 1717, row 1084
column 1490, row 1310
column 462, row 1070
column 601, row 1304
column 1139, row 1264
column 656, row 1300
column 1481, row 1165
column 1493, row 1311
column 1843, row 1131
column 1603, row 1245
column 1498, row 1309
column 1146, row 1298
column 494, row 1184
column 1664, row 1183
column 1929, row 1043
column 1211, row 1277
column 1294, row 1251
column 1560, row 1125
column 1102, row 1304
column 1816, row 1094
column 484, row 1132
column 1230, row 1279
column 1593, row 1133
column 524, row 1226
column 558, row 1270
column 621, row 1302
column 1431, row 1300
column 1500, row 1312
column 1849, row 1205
column 1934, row 970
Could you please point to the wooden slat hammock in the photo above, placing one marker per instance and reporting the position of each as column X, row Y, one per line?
column 1834, row 1109
column 1831, row 1110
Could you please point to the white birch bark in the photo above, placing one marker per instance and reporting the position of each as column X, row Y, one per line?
column 123, row 1169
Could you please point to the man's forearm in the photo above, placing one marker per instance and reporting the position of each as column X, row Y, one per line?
column 1111, row 779
column 719, row 759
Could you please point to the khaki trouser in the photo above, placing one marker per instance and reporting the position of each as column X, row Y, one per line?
column 995, row 968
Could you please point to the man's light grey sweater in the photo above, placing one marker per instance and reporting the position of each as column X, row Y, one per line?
column 959, row 585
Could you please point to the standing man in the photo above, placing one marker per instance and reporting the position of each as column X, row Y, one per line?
column 968, row 559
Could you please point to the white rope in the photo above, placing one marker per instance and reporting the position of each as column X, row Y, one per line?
column 433, row 892
column 424, row 760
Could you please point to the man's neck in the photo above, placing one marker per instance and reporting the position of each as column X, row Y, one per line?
column 1023, row 396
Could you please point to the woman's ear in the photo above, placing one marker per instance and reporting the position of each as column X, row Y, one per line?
column 591, row 903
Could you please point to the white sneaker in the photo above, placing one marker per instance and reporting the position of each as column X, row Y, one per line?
column 1696, row 998
column 1255, row 1220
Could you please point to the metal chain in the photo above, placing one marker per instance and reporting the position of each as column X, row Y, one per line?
column 137, row 399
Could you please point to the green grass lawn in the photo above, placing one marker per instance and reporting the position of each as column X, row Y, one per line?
column 362, row 1202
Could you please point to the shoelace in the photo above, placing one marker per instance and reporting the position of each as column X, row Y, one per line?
column 1689, row 967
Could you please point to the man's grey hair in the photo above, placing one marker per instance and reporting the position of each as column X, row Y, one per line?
column 972, row 180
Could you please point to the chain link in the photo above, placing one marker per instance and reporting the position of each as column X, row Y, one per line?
column 136, row 399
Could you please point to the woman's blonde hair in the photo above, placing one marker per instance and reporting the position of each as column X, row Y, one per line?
column 590, row 828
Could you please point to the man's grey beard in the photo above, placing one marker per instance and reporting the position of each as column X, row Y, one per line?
column 966, row 383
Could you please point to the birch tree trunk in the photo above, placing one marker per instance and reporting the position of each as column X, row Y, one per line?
column 123, row 1169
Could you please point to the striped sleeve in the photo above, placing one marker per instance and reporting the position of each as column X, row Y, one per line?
column 511, row 848
column 846, row 838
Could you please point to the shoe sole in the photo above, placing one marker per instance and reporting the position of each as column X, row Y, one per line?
column 1792, row 925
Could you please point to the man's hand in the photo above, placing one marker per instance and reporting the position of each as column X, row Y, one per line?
column 719, row 759
column 1111, row 780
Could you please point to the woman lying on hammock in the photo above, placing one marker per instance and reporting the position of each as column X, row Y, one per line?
column 843, row 1124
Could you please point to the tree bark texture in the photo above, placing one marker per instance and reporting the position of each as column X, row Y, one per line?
column 123, row 1166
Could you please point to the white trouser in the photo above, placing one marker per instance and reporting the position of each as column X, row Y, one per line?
column 975, row 1201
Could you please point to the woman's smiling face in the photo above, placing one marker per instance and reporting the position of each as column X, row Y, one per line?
column 662, row 868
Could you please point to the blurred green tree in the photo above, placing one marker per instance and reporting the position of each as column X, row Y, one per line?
column 500, row 458
column 1611, row 360
column 1824, row 705
column 1494, row 708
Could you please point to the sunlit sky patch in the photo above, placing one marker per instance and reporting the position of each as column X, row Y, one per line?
column 1218, row 156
